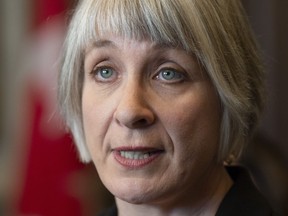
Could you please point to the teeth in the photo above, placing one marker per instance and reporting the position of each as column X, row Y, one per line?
column 136, row 155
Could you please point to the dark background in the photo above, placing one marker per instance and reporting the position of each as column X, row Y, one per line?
column 267, row 156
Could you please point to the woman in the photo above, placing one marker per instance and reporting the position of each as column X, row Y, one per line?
column 160, row 94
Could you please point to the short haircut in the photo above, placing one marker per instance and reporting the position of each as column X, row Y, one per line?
column 216, row 32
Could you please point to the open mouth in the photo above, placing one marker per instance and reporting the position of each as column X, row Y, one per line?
column 138, row 155
column 136, row 158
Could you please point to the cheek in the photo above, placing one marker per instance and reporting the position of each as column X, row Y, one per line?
column 88, row 113
column 93, row 119
column 96, row 109
column 195, row 127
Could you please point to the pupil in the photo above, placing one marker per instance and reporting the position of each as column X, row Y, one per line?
column 106, row 73
column 168, row 74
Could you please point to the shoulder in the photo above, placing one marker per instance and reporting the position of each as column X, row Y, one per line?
column 243, row 198
column 112, row 211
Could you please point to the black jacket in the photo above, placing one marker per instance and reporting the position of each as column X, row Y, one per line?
column 243, row 199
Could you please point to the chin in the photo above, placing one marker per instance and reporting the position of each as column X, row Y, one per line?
column 133, row 197
column 137, row 200
column 134, row 193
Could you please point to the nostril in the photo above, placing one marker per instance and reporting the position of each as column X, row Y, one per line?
column 141, row 123
column 135, row 119
column 134, row 113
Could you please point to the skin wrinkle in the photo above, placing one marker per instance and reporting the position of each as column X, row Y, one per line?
column 198, row 122
column 177, row 115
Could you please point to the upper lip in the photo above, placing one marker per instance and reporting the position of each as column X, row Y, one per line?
column 137, row 148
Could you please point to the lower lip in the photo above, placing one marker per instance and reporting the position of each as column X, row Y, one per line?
column 135, row 163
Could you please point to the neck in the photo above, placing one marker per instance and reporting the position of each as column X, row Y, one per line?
column 202, row 200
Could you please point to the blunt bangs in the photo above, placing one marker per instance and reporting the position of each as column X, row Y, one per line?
column 215, row 32
column 158, row 21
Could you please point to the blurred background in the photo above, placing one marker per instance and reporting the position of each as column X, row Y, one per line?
column 40, row 173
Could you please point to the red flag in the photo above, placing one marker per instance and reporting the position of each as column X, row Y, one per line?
column 51, row 161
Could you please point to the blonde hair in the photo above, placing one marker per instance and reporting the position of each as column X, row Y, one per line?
column 216, row 32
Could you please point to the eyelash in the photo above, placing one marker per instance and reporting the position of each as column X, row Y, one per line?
column 178, row 76
column 96, row 74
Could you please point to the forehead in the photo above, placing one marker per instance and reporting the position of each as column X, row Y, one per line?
column 140, row 20
column 144, row 53
column 118, row 47
column 117, row 42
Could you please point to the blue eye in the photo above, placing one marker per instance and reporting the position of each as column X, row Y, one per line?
column 170, row 75
column 104, row 74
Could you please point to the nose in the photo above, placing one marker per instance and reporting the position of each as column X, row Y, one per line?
column 133, row 110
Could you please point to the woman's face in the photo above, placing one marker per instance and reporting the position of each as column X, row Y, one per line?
column 151, row 120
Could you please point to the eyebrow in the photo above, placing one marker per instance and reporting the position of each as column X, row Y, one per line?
column 103, row 43
column 108, row 43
